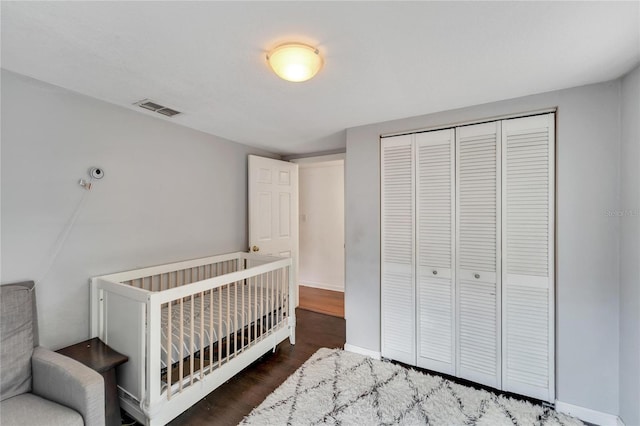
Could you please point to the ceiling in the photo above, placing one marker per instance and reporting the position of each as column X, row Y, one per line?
column 383, row 60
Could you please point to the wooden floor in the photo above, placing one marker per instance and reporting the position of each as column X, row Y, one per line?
column 228, row 404
column 322, row 301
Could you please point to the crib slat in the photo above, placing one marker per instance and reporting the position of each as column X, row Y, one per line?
column 201, row 336
column 260, row 295
column 271, row 302
column 249, row 312
column 228, row 317
column 181, row 342
column 192, row 337
column 235, row 318
column 266, row 304
column 219, row 324
column 255, row 308
column 282, row 293
column 211, row 330
column 268, row 313
column 242, row 317
column 168, row 349
column 277, row 298
column 287, row 288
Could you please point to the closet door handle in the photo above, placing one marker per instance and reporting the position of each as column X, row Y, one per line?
column 435, row 272
column 476, row 276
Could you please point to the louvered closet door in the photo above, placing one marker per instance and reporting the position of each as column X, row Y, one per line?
column 397, row 232
column 528, row 246
column 435, row 239
column 478, row 253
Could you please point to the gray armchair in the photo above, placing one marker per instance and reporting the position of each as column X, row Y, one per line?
column 39, row 386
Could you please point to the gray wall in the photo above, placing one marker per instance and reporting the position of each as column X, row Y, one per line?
column 169, row 193
column 588, row 296
column 630, row 251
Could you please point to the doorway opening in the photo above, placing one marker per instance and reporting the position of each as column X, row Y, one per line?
column 321, row 234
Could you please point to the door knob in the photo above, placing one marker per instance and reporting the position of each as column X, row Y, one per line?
column 435, row 272
column 255, row 248
column 476, row 276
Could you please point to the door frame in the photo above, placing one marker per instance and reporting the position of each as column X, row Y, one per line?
column 323, row 158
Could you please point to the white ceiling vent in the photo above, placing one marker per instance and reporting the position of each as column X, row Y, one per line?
column 160, row 109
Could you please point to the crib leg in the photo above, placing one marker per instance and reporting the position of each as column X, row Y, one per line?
column 292, row 330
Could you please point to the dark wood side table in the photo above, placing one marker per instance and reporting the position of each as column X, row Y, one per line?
column 96, row 355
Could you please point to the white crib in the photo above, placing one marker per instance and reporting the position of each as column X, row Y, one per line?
column 190, row 326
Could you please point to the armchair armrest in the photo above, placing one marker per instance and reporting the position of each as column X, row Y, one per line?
column 63, row 380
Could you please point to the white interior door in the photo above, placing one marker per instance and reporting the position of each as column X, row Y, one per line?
column 397, row 298
column 478, row 228
column 435, row 205
column 527, row 261
column 273, row 209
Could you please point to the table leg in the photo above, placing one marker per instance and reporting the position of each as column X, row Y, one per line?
column 111, row 401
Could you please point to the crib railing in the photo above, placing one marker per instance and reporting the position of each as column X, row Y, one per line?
column 171, row 279
column 235, row 304
column 238, row 316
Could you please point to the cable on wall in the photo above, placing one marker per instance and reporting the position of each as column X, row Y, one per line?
column 95, row 173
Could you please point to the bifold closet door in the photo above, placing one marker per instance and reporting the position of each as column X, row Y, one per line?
column 434, row 257
column 478, row 253
column 528, row 256
column 397, row 249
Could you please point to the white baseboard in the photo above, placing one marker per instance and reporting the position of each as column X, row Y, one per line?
column 323, row 286
column 361, row 351
column 589, row 415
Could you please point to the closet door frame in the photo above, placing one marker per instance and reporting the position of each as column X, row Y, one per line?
column 501, row 382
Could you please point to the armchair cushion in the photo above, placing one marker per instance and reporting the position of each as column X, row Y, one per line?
column 17, row 314
column 29, row 409
column 70, row 383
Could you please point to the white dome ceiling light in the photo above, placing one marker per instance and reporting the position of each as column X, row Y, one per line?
column 295, row 62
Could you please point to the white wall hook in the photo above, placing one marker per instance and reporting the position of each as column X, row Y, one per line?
column 86, row 185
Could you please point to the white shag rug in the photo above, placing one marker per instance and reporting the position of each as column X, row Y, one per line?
column 335, row 387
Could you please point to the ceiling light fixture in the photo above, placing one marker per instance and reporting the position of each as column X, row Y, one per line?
column 295, row 61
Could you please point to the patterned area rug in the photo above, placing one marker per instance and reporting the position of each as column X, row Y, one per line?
column 335, row 387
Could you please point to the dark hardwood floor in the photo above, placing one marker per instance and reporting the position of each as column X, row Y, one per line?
column 228, row 404
column 322, row 301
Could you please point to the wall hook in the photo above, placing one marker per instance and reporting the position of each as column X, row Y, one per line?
column 86, row 185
